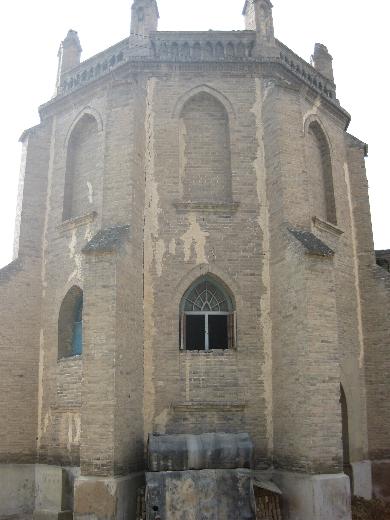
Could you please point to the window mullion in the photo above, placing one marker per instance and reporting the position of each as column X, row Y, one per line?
column 206, row 339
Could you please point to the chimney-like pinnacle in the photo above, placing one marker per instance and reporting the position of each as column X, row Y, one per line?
column 322, row 61
column 69, row 55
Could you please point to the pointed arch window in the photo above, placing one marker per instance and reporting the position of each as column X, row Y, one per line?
column 321, row 175
column 82, row 165
column 208, row 318
column 70, row 324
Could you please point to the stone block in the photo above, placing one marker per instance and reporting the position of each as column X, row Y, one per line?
column 362, row 479
column 107, row 498
column 51, row 488
column 381, row 479
column 16, row 489
column 315, row 497
column 200, row 495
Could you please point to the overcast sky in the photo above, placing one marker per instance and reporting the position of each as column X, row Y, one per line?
column 355, row 32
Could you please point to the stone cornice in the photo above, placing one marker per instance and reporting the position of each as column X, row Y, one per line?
column 271, row 67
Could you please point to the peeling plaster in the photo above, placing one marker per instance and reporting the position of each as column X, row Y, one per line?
column 182, row 155
column 150, row 232
column 263, row 221
column 88, row 233
column 73, row 244
column 355, row 267
column 161, row 421
column 312, row 112
column 172, row 247
column 159, row 253
column 90, row 192
column 47, row 421
column 40, row 386
column 77, row 257
column 43, row 280
column 195, row 237
column 73, row 429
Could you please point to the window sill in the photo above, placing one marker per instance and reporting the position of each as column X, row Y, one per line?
column 324, row 225
column 225, row 208
column 73, row 223
column 77, row 357
column 215, row 352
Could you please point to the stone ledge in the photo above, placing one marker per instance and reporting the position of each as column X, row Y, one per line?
column 207, row 207
column 72, row 223
column 324, row 225
column 209, row 406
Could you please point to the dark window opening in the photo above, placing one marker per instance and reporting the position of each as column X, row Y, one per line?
column 195, row 332
column 218, row 332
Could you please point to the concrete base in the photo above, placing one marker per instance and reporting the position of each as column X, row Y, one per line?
column 52, row 492
column 51, row 515
column 46, row 492
column 314, row 497
column 381, row 479
column 17, row 482
column 362, row 479
column 107, row 498
column 209, row 494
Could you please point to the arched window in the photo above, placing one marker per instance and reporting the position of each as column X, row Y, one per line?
column 70, row 324
column 207, row 317
column 81, row 168
column 205, row 144
column 321, row 176
column 345, row 435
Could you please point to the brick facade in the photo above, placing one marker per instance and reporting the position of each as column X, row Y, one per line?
column 201, row 155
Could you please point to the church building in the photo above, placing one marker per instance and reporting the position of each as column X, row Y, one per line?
column 194, row 309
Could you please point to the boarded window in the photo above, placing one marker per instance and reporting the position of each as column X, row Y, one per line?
column 321, row 177
column 70, row 324
column 81, row 168
column 205, row 142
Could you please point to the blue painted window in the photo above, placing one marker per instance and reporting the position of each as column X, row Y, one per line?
column 77, row 338
column 70, row 324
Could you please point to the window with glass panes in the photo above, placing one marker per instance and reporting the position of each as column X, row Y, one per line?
column 208, row 317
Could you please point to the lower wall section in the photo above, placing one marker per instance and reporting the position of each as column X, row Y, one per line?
column 107, row 498
column 362, row 479
column 17, row 489
column 381, row 479
column 36, row 489
column 315, row 497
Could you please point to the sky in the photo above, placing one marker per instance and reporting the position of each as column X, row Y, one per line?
column 355, row 32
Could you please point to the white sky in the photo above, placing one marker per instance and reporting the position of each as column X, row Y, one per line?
column 355, row 34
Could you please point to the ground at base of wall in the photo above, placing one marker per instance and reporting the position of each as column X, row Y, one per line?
column 369, row 509
column 16, row 517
